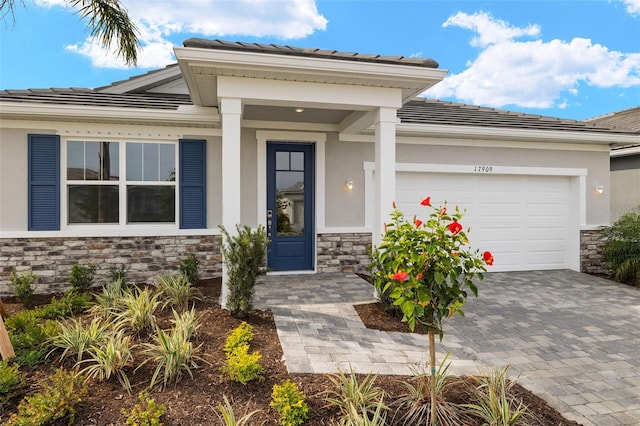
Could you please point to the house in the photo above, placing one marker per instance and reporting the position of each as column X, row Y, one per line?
column 625, row 162
column 313, row 144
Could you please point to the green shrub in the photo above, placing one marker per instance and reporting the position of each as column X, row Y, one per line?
column 22, row 286
column 145, row 413
column 74, row 338
column 31, row 343
column 71, row 303
column 290, row 403
column 173, row 354
column 189, row 268
column 353, row 398
column 115, row 273
column 175, row 291
column 621, row 251
column 244, row 255
column 138, row 309
column 58, row 396
column 10, row 380
column 242, row 366
column 228, row 416
column 82, row 277
column 496, row 404
column 21, row 321
column 241, row 335
column 110, row 359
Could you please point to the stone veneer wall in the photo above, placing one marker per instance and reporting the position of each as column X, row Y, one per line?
column 591, row 242
column 347, row 252
column 52, row 258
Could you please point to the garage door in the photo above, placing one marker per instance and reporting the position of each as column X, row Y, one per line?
column 525, row 221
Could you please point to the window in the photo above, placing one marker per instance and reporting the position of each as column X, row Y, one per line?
column 121, row 182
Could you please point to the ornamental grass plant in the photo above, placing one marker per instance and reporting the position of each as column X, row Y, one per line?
column 75, row 338
column 355, row 398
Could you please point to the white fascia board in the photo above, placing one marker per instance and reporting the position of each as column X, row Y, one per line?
column 635, row 150
column 252, row 90
column 196, row 116
column 305, row 65
column 513, row 134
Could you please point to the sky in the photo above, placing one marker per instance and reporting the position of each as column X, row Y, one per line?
column 571, row 59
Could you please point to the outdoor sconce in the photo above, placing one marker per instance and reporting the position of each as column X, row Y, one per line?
column 349, row 184
column 599, row 189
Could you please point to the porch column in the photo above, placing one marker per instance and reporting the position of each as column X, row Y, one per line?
column 230, row 114
column 385, row 174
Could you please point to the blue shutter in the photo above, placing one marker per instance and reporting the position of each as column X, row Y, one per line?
column 44, row 182
column 193, row 184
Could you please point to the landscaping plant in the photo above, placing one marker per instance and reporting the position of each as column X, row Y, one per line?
column 240, row 365
column 244, row 256
column 137, row 310
column 56, row 400
column 190, row 268
column 115, row 273
column 228, row 416
column 110, row 359
column 426, row 268
column 75, row 338
column 144, row 413
column 22, row 286
column 109, row 300
column 175, row 291
column 289, row 402
column 10, row 380
column 353, row 399
column 82, row 277
column 186, row 323
column 621, row 250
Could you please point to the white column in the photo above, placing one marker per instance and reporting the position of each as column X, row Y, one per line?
column 385, row 172
column 230, row 113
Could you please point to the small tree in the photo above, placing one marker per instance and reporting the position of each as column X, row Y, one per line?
column 621, row 251
column 425, row 268
column 244, row 255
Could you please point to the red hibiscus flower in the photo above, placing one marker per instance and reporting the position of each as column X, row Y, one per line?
column 455, row 227
column 418, row 222
column 443, row 211
column 426, row 201
column 384, row 226
column 419, row 276
column 488, row 258
column 400, row 275
column 454, row 253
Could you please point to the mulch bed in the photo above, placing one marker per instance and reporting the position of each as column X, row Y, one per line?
column 195, row 402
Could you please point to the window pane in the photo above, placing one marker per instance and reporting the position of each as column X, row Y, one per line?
column 290, row 202
column 93, row 204
column 297, row 161
column 151, row 204
column 282, row 160
column 167, row 167
column 134, row 161
column 75, row 160
column 150, row 162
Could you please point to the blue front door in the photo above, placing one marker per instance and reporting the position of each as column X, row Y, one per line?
column 290, row 206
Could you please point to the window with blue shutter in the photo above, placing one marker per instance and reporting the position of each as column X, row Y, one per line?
column 44, row 182
column 193, row 188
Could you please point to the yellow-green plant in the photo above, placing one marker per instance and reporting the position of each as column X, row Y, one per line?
column 173, row 355
column 355, row 398
column 110, row 359
column 426, row 268
column 496, row 404
column 228, row 416
column 289, row 402
column 176, row 291
column 241, row 335
column 242, row 366
column 138, row 310
column 75, row 338
column 145, row 413
column 10, row 380
column 56, row 400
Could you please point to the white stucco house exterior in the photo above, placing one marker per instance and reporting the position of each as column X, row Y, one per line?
column 313, row 144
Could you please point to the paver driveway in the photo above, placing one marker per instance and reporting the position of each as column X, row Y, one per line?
column 574, row 338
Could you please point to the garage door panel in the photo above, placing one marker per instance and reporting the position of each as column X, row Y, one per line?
column 522, row 220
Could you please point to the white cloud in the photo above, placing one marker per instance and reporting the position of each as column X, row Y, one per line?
column 157, row 20
column 534, row 73
column 633, row 7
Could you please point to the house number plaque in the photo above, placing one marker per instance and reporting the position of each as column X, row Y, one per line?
column 483, row 169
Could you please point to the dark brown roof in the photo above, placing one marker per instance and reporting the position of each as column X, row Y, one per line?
column 628, row 119
column 91, row 97
column 308, row 52
column 430, row 111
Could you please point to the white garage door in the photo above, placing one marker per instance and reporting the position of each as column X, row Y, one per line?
column 525, row 221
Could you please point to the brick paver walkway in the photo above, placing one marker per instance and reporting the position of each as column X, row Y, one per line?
column 573, row 338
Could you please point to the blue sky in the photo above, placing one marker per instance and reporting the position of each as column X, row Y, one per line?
column 571, row 59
